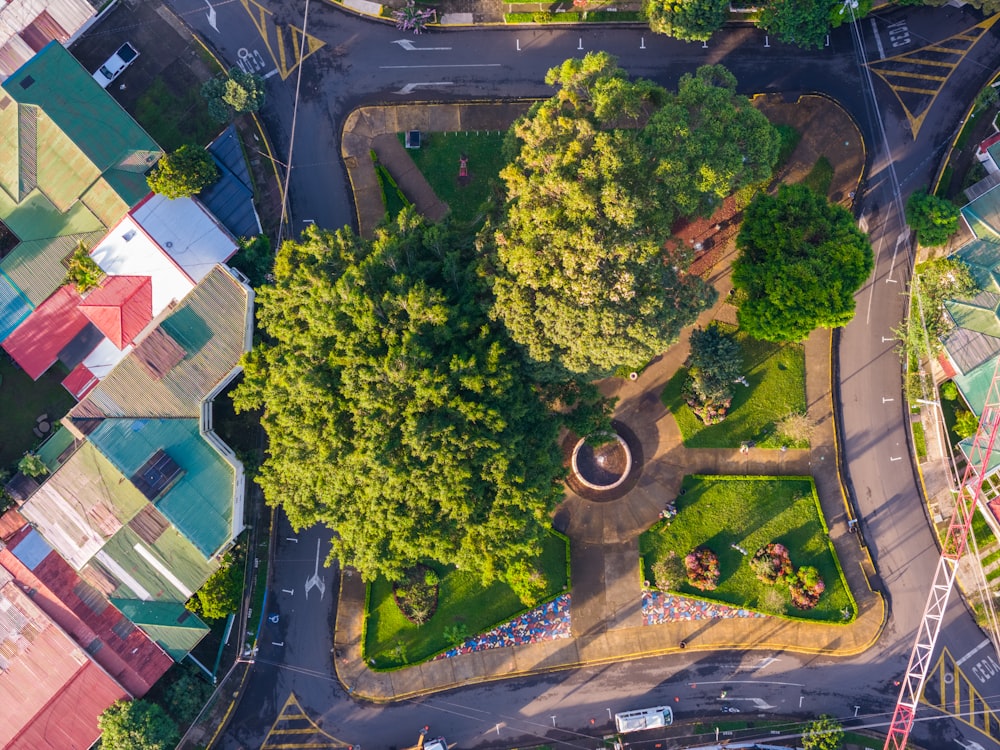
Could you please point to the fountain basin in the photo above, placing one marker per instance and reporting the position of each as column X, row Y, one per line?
column 604, row 467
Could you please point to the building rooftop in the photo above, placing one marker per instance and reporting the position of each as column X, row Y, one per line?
column 37, row 343
column 188, row 233
column 230, row 198
column 51, row 693
column 174, row 628
column 120, row 307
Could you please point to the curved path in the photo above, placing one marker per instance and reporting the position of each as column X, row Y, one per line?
column 357, row 62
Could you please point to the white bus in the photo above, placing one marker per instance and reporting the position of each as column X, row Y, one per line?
column 644, row 718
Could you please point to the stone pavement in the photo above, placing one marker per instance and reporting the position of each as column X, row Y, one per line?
column 607, row 618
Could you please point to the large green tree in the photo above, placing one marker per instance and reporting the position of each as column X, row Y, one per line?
column 933, row 219
column 802, row 22
column 801, row 261
column 137, row 725
column 599, row 173
column 397, row 413
column 691, row 20
column 183, row 173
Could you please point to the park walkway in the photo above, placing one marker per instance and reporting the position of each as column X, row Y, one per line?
column 607, row 618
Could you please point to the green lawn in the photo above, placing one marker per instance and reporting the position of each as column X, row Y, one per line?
column 820, row 176
column 438, row 160
column 23, row 402
column 717, row 512
column 776, row 373
column 174, row 120
column 392, row 197
column 393, row 641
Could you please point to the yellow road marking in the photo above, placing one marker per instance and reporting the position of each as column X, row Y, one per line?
column 959, row 698
column 292, row 712
column 285, row 59
column 903, row 64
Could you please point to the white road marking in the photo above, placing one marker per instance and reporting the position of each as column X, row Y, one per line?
column 642, row 42
column 272, row 73
column 290, row 592
column 977, row 649
column 895, row 458
column 211, row 16
column 878, row 40
column 411, row 47
column 886, row 400
column 315, row 581
column 459, row 65
column 408, row 88
column 275, row 643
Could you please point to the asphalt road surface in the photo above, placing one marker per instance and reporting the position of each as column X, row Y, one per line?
column 352, row 61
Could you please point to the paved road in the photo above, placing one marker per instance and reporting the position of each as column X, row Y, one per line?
column 358, row 62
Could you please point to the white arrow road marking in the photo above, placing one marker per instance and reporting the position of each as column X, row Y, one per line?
column 315, row 581
column 408, row 88
column 411, row 47
column 211, row 15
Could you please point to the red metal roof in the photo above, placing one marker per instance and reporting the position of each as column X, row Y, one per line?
column 121, row 307
column 36, row 343
column 995, row 138
column 51, row 694
column 946, row 365
column 134, row 660
column 80, row 381
column 10, row 523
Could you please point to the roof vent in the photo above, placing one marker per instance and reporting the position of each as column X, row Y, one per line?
column 128, row 235
column 169, row 244
column 26, row 82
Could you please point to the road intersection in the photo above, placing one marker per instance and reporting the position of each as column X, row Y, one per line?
column 925, row 66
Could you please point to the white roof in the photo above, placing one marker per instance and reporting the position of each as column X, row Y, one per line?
column 128, row 251
column 187, row 232
column 105, row 356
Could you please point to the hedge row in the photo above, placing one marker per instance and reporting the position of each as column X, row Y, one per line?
column 594, row 16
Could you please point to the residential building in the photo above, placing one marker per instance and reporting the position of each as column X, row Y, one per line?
column 26, row 26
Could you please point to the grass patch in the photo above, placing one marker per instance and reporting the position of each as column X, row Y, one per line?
column 820, row 176
column 788, row 139
column 438, row 159
column 174, row 120
column 991, row 558
column 392, row 641
column 392, row 197
column 776, row 373
column 919, row 441
column 984, row 534
column 24, row 401
column 718, row 512
column 993, row 575
column 542, row 17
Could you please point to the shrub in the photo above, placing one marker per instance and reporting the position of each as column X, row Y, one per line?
column 966, row 423
column 527, row 582
column 237, row 92
column 32, row 465
column 668, row 573
column 702, row 567
column 933, row 219
column 949, row 391
column 82, row 271
column 771, row 564
column 796, row 428
column 713, row 366
column 806, row 587
column 415, row 597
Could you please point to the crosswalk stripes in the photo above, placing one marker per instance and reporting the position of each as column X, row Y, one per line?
column 284, row 43
column 918, row 76
column 294, row 730
column 949, row 690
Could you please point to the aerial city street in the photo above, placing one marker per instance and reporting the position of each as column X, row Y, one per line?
column 559, row 376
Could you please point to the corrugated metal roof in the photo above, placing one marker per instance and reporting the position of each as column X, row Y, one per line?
column 210, row 325
column 80, row 381
column 170, row 625
column 31, row 549
column 92, row 622
column 200, row 504
column 82, row 505
column 230, row 198
column 983, row 215
column 58, row 448
column 36, row 266
column 121, row 307
column 14, row 307
column 36, row 22
column 36, row 343
column 46, row 676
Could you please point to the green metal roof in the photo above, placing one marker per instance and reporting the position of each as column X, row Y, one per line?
column 176, row 629
column 983, row 215
column 973, row 317
column 200, row 504
column 976, row 384
column 52, row 448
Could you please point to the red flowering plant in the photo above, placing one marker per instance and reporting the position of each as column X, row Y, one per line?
column 702, row 566
column 806, row 587
column 771, row 564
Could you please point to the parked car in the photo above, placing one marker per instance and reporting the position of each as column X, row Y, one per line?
column 116, row 64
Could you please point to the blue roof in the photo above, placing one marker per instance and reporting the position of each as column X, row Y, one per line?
column 200, row 504
column 31, row 550
column 14, row 306
column 230, row 199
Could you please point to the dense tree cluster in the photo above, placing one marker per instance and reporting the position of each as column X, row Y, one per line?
column 137, row 725
column 933, row 219
column 714, row 365
column 691, row 20
column 599, row 173
column 183, row 173
column 801, row 261
column 398, row 414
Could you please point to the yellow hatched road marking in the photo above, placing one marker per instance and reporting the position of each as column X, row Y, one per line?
column 959, row 698
column 292, row 712
column 285, row 58
column 903, row 64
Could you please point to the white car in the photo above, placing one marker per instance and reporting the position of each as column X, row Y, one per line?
column 121, row 59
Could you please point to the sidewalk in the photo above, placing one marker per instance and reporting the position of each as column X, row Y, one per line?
column 607, row 621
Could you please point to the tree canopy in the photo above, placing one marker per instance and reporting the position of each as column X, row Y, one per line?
column 801, row 261
column 220, row 595
column 183, row 173
column 397, row 413
column 824, row 733
column 137, row 725
column 599, row 173
column 691, row 20
column 933, row 219
column 236, row 92
column 803, row 22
